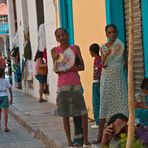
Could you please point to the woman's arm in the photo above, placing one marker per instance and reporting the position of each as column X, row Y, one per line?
column 105, row 55
column 119, row 50
column 140, row 105
column 81, row 66
column 54, row 56
column 11, row 96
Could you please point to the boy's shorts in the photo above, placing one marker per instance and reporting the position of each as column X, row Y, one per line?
column 4, row 102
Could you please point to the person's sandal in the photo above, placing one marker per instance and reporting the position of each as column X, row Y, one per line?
column 87, row 145
column 42, row 100
column 7, row 130
column 96, row 141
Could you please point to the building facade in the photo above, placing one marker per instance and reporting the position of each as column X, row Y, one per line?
column 85, row 22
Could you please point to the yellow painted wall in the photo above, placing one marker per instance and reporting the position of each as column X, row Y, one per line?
column 89, row 22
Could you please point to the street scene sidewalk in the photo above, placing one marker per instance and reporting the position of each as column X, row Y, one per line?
column 18, row 137
column 40, row 121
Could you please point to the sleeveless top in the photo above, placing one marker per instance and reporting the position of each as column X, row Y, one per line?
column 71, row 77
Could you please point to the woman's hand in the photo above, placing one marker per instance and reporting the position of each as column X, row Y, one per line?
column 107, row 134
column 107, row 53
column 54, row 55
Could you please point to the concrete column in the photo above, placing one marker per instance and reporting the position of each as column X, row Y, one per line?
column 11, row 20
column 11, row 27
column 51, row 23
column 32, row 17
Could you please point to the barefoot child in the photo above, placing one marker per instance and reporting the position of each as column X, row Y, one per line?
column 4, row 101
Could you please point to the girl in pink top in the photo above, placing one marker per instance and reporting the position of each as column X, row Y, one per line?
column 70, row 100
column 39, row 64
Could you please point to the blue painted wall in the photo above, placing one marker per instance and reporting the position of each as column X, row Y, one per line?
column 145, row 33
column 115, row 15
column 66, row 18
column 4, row 28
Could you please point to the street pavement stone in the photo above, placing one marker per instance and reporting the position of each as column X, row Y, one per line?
column 40, row 121
column 18, row 137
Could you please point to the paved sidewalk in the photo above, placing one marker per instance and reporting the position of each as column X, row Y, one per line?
column 39, row 120
column 18, row 137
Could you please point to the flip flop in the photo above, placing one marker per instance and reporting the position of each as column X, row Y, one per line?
column 96, row 141
column 42, row 100
column 7, row 130
column 87, row 145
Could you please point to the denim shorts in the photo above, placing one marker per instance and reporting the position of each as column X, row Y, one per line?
column 41, row 79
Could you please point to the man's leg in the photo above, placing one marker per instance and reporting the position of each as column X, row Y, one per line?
column 78, row 131
column 96, row 101
column 101, row 127
column 100, row 131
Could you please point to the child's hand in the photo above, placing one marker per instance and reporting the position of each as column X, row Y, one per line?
column 11, row 101
column 55, row 56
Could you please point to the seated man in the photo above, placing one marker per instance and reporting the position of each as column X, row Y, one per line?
column 117, row 125
column 140, row 103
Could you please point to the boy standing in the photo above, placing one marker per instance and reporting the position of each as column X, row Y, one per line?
column 94, row 51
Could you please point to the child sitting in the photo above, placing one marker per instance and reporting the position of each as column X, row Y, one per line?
column 140, row 105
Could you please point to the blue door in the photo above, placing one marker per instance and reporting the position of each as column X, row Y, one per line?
column 144, row 5
column 115, row 15
column 66, row 18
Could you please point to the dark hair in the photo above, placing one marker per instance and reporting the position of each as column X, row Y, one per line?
column 95, row 48
column 39, row 54
column 117, row 116
column 14, row 52
column 1, row 72
column 111, row 25
column 61, row 29
column 144, row 84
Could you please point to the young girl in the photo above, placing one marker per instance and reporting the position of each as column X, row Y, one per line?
column 4, row 101
column 70, row 101
column 42, row 78
column 113, row 88
column 94, row 51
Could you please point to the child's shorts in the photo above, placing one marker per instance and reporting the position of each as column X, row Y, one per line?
column 4, row 102
column 41, row 79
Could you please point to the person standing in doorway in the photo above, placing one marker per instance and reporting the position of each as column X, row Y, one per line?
column 113, row 84
column 94, row 51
